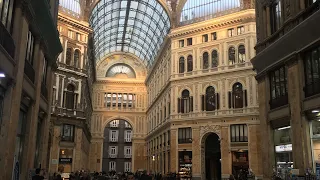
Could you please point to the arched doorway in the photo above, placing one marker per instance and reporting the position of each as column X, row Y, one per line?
column 212, row 157
column 117, row 146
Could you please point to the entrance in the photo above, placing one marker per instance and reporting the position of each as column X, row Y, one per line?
column 212, row 157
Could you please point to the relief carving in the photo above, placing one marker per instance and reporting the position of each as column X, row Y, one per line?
column 210, row 128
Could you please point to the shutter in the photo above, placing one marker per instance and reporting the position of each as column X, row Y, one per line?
column 218, row 101
column 245, row 98
column 202, row 102
column 179, row 105
column 230, row 101
column 191, row 103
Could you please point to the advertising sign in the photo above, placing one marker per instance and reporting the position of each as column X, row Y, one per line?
column 284, row 148
column 65, row 160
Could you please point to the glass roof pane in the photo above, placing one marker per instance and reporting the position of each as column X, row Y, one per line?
column 143, row 24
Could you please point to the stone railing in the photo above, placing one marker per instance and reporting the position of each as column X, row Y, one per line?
column 68, row 112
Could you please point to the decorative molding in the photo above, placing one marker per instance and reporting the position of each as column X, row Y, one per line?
column 210, row 128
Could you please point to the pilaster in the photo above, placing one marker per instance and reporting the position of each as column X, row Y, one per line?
column 173, row 150
column 226, row 168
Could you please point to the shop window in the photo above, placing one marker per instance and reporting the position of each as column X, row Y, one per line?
column 67, row 132
column 231, row 55
column 185, row 103
column 127, row 166
column 70, row 97
column 213, row 36
column 113, row 136
column 312, row 72
column 181, row 43
column 214, row 59
column 189, row 63
column 210, row 101
column 278, row 87
column 205, row 38
column 189, row 41
column 205, row 59
column 241, row 54
column 181, row 65
column 112, row 166
column 230, row 32
column 76, row 58
column 240, row 162
column 185, row 164
column 240, row 30
column 239, row 133
column 68, row 56
column 185, row 135
column 275, row 16
column 65, row 160
column 283, row 149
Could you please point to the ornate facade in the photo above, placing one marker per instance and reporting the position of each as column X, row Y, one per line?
column 288, row 84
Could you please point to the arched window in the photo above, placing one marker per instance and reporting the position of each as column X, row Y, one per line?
column 242, row 54
column 68, row 56
column 232, row 57
column 185, row 103
column 237, row 93
column 190, row 63
column 181, row 65
column 76, row 58
column 70, row 97
column 210, row 99
column 214, row 59
column 205, row 58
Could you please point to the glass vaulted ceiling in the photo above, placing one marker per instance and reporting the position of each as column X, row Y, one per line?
column 135, row 26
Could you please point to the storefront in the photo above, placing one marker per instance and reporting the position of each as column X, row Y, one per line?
column 185, row 164
column 240, row 161
column 65, row 161
column 314, row 117
column 283, row 149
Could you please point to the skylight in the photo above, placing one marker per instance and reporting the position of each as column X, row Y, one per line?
column 133, row 26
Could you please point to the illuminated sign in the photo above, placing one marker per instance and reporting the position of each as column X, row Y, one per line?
column 284, row 148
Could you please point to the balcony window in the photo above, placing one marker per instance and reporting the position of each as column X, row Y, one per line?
column 181, row 65
column 76, row 58
column 240, row 30
column 78, row 36
column 210, row 101
column 205, row 59
column 113, row 136
column 230, row 32
column 275, row 16
column 189, row 63
column 30, row 48
column 232, row 55
column 205, row 38
column 312, row 72
column 127, row 135
column 127, row 150
column 127, row 125
column 68, row 56
column 112, row 166
column 114, row 123
column 241, row 54
column 6, row 8
column 67, row 133
column 113, row 150
column 214, row 36
column 278, row 87
column 239, row 133
column 185, row 135
column 70, row 97
column 238, row 96
column 189, row 41
column 127, row 167
column 214, row 59
column 44, row 70
column 185, row 103
column 181, row 43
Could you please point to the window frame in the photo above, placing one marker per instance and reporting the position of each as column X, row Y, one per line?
column 182, row 64
column 112, row 166
column 275, row 16
column 185, row 135
column 205, row 38
column 116, row 135
column 312, row 71
column 214, row 36
column 205, row 60
column 30, row 48
column 189, row 42
column 181, row 43
column 69, row 138
column 231, row 32
column 2, row 94
column 240, row 30
column 189, row 63
column 278, row 87
column 237, row 129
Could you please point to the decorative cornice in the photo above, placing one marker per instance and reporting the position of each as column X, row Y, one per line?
column 243, row 16
column 74, row 23
column 103, row 82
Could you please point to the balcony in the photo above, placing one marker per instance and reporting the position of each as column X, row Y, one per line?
column 312, row 88
column 128, row 156
column 6, row 41
column 68, row 112
column 112, row 156
column 278, row 102
column 113, row 140
column 70, row 67
column 128, row 140
column 29, row 71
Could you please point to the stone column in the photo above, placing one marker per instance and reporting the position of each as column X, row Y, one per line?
column 254, row 149
column 96, row 153
column 226, row 158
column 173, row 150
column 54, row 154
column 196, row 152
column 78, row 150
column 299, row 134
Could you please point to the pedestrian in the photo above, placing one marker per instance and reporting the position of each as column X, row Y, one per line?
column 38, row 176
column 58, row 177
